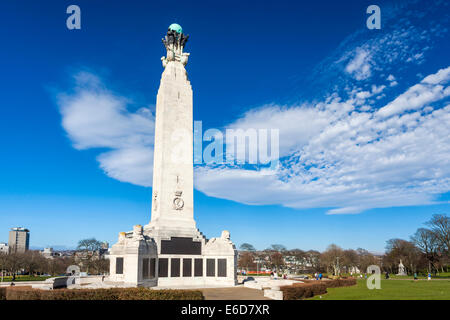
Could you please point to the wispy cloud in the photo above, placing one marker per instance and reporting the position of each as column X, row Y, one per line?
column 94, row 117
column 346, row 159
column 360, row 66
column 432, row 88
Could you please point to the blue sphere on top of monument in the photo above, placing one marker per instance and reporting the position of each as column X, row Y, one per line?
column 176, row 27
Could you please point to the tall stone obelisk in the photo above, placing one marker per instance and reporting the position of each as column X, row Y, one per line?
column 170, row 251
column 173, row 181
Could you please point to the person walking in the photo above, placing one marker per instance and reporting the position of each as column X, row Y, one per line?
column 415, row 276
column 320, row 276
column 429, row 276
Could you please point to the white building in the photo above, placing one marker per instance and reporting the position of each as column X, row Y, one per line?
column 49, row 253
column 4, row 248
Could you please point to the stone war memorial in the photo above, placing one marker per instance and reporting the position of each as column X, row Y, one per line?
column 170, row 251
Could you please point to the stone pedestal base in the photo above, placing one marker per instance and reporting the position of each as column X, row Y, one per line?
column 172, row 258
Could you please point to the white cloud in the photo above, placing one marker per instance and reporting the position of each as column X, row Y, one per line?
column 333, row 155
column 359, row 67
column 429, row 90
column 393, row 83
column 94, row 117
column 347, row 160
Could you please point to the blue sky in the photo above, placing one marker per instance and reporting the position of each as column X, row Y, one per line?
column 364, row 118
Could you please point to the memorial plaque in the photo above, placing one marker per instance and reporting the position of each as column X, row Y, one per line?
column 152, row 267
column 180, row 245
column 175, row 267
column 163, row 267
column 145, row 268
column 187, row 267
column 210, row 267
column 222, row 267
column 198, row 268
column 119, row 265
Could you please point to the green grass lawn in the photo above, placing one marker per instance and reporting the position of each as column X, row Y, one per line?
column 442, row 275
column 392, row 290
column 25, row 278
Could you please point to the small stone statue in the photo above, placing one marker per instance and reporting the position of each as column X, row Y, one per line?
column 401, row 269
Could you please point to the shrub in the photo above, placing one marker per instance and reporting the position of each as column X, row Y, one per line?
column 312, row 288
column 102, row 294
column 341, row 283
column 2, row 293
column 22, row 293
column 302, row 291
column 148, row 294
column 80, row 294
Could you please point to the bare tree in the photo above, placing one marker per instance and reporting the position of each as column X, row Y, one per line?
column 313, row 259
column 89, row 251
column 278, row 247
column 89, row 245
column 3, row 263
column 247, row 247
column 32, row 262
column 365, row 259
column 440, row 225
column 397, row 249
column 332, row 258
column 350, row 259
column 100, row 265
column 14, row 262
column 276, row 260
column 428, row 244
column 246, row 260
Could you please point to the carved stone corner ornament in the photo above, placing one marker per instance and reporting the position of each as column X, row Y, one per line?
column 138, row 232
column 122, row 236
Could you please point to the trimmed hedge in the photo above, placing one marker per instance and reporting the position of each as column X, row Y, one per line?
column 341, row 283
column 103, row 294
column 312, row 288
column 2, row 293
column 303, row 291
